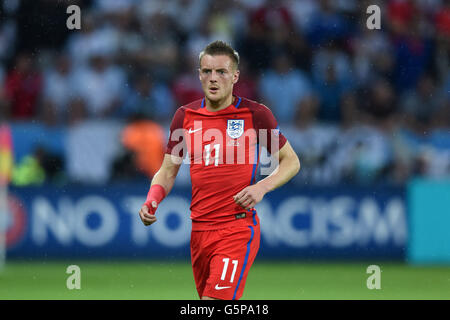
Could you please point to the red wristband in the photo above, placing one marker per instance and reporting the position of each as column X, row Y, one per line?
column 156, row 193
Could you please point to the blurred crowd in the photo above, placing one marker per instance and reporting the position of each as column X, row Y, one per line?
column 358, row 106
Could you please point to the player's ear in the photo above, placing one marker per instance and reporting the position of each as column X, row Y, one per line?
column 236, row 76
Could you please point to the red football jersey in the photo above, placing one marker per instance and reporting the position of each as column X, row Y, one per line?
column 223, row 149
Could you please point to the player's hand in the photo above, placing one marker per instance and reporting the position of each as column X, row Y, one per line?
column 250, row 196
column 147, row 214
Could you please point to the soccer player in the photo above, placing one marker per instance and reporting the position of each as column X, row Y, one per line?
column 221, row 135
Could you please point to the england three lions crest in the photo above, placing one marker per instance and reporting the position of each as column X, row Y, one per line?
column 235, row 128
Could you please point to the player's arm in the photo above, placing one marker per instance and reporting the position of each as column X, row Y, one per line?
column 164, row 179
column 288, row 167
column 161, row 185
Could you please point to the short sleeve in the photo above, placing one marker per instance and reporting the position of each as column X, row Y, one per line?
column 175, row 142
column 269, row 134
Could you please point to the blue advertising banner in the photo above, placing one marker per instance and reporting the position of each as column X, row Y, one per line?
column 103, row 222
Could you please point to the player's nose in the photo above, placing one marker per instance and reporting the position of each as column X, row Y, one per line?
column 213, row 77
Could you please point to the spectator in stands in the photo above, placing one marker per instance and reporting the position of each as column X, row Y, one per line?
column 188, row 15
column 442, row 26
column 326, row 25
column 8, row 36
column 146, row 140
column 442, row 21
column 273, row 14
column 247, row 85
column 332, row 56
column 330, row 92
column 160, row 52
column 59, row 91
column 379, row 104
column 421, row 106
column 221, row 21
column 299, row 49
column 412, row 51
column 421, row 154
column 28, row 172
column 315, row 144
column 373, row 56
column 186, row 86
column 4, row 107
column 444, row 115
column 284, row 88
column 332, row 79
column 80, row 45
column 351, row 112
column 101, row 86
column 149, row 98
column 40, row 166
column 108, row 7
column 255, row 47
column 207, row 33
column 130, row 42
column 303, row 12
column 400, row 13
column 23, row 86
column 363, row 155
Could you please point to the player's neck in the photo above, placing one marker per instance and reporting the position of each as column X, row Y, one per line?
column 218, row 105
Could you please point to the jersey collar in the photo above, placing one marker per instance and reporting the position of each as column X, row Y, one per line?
column 236, row 102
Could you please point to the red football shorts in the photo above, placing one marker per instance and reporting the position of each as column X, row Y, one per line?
column 222, row 258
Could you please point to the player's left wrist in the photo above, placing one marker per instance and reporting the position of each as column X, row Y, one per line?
column 156, row 193
column 264, row 187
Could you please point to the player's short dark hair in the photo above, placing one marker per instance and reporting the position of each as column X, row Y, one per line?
column 220, row 48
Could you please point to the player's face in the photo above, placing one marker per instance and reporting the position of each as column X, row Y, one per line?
column 217, row 75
